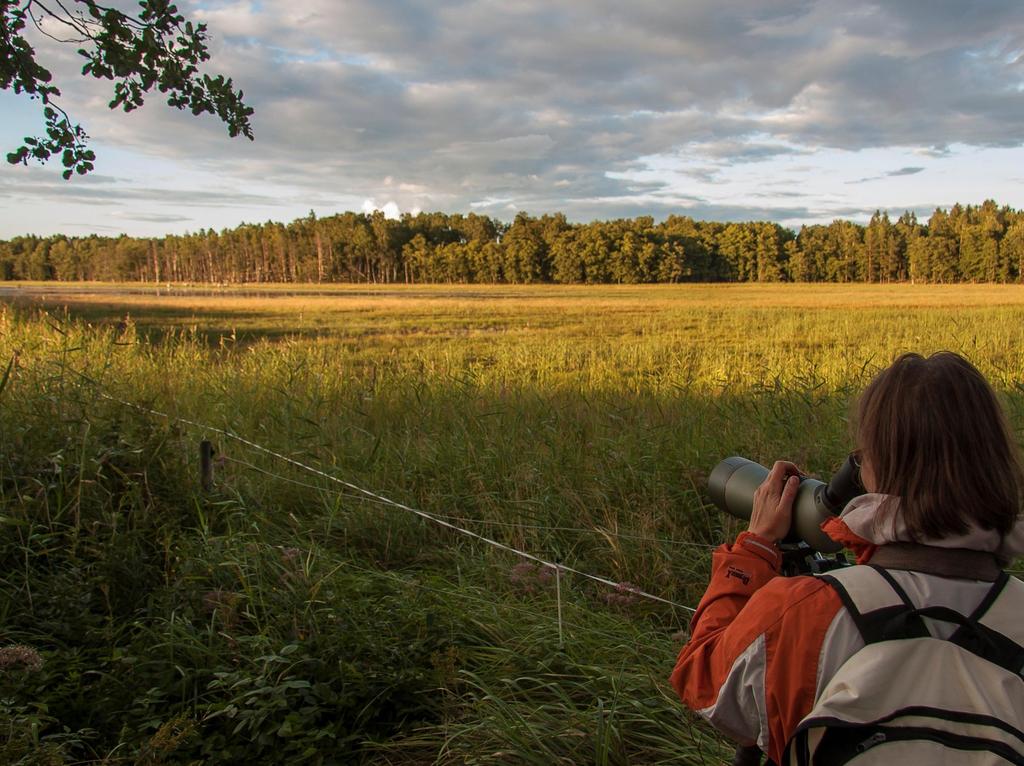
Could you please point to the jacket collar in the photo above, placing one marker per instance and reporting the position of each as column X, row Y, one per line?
column 868, row 521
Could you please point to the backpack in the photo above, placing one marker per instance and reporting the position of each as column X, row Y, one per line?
column 910, row 698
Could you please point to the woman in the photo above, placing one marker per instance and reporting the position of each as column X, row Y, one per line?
column 944, row 485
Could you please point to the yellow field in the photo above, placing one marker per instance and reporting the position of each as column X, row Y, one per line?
column 576, row 423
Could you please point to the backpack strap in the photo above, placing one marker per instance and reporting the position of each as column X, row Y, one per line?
column 1003, row 614
column 944, row 562
column 977, row 637
column 882, row 611
column 880, row 608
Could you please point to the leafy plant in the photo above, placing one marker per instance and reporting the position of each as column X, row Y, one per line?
column 157, row 48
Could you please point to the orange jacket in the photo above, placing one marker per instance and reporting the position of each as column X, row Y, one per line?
column 762, row 646
column 753, row 675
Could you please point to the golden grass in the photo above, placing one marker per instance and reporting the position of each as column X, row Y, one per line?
column 573, row 422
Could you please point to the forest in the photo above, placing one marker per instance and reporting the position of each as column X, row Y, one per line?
column 982, row 243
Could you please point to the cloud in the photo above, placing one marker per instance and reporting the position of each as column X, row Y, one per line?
column 589, row 210
column 908, row 171
column 933, row 151
column 91, row 226
column 389, row 208
column 446, row 105
column 153, row 217
column 38, row 183
column 905, row 171
column 912, row 170
column 490, row 202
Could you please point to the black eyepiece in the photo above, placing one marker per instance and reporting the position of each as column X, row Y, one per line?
column 844, row 485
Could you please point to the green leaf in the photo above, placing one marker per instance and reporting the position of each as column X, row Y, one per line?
column 155, row 47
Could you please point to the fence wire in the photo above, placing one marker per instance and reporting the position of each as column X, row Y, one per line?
column 382, row 500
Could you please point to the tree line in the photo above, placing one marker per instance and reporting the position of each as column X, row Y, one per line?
column 982, row 243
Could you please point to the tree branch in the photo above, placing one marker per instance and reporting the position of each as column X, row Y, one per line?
column 157, row 48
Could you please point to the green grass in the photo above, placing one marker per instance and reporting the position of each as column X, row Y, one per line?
column 278, row 619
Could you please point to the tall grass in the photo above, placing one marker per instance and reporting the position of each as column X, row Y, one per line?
column 278, row 619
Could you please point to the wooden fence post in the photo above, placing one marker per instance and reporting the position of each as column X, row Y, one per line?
column 206, row 465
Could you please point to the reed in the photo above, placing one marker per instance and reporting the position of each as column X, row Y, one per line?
column 281, row 619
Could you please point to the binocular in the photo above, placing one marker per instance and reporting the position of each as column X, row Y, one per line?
column 733, row 481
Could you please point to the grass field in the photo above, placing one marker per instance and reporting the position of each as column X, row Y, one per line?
column 283, row 618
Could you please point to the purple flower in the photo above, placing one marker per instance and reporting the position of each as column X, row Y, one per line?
column 20, row 656
column 624, row 595
column 531, row 578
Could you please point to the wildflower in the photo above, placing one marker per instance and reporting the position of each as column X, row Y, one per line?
column 20, row 656
column 530, row 578
column 169, row 737
column 294, row 560
column 624, row 595
column 222, row 604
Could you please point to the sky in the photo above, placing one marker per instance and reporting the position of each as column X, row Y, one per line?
column 795, row 111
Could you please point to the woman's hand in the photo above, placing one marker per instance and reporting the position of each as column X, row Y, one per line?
column 772, row 513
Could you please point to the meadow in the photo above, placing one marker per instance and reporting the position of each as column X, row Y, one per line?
column 281, row 617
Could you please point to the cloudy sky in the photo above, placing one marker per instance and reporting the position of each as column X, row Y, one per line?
column 790, row 110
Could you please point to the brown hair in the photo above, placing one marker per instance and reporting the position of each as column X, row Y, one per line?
column 937, row 438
